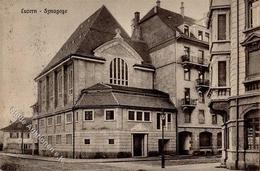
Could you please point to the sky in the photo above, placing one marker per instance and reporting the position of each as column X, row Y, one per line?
column 29, row 41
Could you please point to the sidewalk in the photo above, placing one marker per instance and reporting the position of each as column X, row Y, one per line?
column 108, row 160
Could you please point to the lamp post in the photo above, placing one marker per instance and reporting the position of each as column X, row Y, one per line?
column 163, row 117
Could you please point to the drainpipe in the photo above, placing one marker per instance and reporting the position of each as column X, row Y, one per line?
column 237, row 100
column 177, row 135
column 73, row 113
column 22, row 142
column 225, row 137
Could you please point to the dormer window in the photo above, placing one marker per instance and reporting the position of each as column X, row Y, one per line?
column 200, row 35
column 118, row 72
column 186, row 30
column 207, row 37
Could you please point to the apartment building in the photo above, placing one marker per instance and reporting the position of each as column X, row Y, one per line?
column 234, row 89
column 178, row 46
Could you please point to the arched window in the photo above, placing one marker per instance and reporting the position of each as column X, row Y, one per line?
column 252, row 126
column 118, row 72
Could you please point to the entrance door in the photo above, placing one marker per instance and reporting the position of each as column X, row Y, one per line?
column 185, row 142
column 138, row 144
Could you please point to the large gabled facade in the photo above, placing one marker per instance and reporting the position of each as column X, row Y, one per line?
column 234, row 89
column 93, row 100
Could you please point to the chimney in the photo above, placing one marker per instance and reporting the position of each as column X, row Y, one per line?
column 182, row 9
column 158, row 3
column 136, row 30
column 137, row 17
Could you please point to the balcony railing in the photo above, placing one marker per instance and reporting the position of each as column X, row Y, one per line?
column 194, row 60
column 188, row 104
column 202, row 82
column 202, row 85
column 219, row 92
column 188, row 101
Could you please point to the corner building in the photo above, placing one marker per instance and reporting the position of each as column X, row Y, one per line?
column 234, row 89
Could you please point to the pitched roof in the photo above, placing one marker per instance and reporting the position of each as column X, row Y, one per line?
column 18, row 125
column 170, row 18
column 106, row 95
column 94, row 31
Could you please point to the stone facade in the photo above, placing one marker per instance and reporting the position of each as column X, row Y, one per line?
column 60, row 114
column 156, row 57
column 167, row 46
column 237, row 101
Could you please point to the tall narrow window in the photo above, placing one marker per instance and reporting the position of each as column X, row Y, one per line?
column 59, row 88
column 200, row 35
column 68, row 138
column 187, row 95
column 118, row 72
column 222, row 27
column 222, row 80
column 201, row 57
column 187, row 117
column 43, row 86
column 187, row 51
column 51, row 94
column 253, row 62
column 47, row 92
column 158, row 117
column 214, row 119
column 253, row 12
column 207, row 37
column 252, row 129
column 186, row 30
column 187, row 74
column 70, row 80
column 201, row 117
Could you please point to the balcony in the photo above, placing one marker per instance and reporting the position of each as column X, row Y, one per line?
column 194, row 62
column 202, row 85
column 219, row 100
column 219, row 93
column 188, row 104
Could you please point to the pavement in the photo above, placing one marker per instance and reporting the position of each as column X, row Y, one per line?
column 190, row 167
column 173, row 163
column 210, row 159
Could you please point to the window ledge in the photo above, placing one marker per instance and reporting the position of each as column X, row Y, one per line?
column 139, row 121
column 249, row 30
column 88, row 120
column 221, row 41
column 251, row 80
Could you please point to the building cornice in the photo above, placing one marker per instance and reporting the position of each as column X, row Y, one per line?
column 89, row 58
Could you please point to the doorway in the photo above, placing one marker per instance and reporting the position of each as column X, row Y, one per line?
column 139, row 145
column 185, row 142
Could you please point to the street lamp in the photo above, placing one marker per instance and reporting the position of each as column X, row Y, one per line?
column 163, row 117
